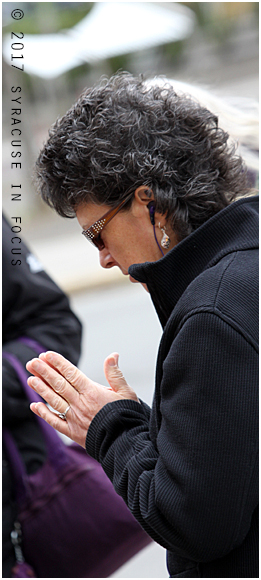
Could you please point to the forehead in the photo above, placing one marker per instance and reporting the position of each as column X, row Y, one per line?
column 88, row 213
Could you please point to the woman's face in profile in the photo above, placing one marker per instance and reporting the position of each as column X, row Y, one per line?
column 128, row 238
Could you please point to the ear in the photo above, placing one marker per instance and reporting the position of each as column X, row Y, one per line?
column 143, row 194
column 143, row 198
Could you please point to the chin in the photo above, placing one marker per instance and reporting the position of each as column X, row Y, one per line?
column 137, row 282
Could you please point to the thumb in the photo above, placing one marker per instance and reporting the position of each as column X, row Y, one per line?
column 116, row 379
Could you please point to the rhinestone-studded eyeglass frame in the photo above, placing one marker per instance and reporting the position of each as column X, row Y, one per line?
column 93, row 233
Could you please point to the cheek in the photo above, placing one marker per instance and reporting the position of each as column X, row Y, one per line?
column 122, row 251
column 126, row 241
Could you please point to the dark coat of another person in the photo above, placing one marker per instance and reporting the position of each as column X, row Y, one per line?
column 33, row 307
column 188, row 467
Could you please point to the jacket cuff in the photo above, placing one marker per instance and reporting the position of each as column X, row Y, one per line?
column 111, row 420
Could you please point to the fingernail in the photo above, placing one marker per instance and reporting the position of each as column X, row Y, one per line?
column 35, row 364
column 112, row 362
column 49, row 356
column 34, row 382
column 35, row 407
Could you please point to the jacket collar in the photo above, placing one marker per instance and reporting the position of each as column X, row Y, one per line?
column 233, row 228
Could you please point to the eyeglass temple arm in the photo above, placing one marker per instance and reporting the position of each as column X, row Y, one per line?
column 113, row 212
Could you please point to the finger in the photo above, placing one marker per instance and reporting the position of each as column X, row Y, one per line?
column 55, row 401
column 70, row 372
column 42, row 411
column 116, row 379
column 112, row 372
column 51, row 378
column 42, row 358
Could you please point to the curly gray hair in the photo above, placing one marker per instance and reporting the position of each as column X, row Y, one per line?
column 123, row 133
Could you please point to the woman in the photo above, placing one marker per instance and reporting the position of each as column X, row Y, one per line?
column 151, row 180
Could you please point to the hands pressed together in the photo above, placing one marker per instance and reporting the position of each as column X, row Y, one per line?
column 63, row 385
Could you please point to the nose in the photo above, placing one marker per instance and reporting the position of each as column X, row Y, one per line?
column 106, row 260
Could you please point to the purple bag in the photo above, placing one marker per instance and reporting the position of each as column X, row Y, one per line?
column 73, row 523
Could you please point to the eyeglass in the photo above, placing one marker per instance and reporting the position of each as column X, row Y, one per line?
column 93, row 233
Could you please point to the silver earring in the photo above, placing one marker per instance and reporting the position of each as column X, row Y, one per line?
column 165, row 241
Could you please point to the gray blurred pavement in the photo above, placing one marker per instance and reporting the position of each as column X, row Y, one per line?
column 149, row 563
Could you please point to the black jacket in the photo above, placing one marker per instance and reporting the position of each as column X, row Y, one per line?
column 35, row 308
column 187, row 468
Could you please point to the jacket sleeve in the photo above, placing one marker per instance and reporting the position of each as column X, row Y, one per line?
column 194, row 488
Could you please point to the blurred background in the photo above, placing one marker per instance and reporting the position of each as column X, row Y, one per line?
column 66, row 47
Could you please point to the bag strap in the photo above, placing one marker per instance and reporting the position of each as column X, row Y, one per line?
column 54, row 444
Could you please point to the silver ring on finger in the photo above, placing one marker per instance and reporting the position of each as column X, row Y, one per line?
column 63, row 415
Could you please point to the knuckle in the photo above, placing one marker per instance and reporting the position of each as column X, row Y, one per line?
column 72, row 374
column 118, row 375
column 56, row 423
column 43, row 371
column 55, row 403
column 59, row 384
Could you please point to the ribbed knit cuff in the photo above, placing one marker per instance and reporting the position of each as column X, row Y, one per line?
column 104, row 421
